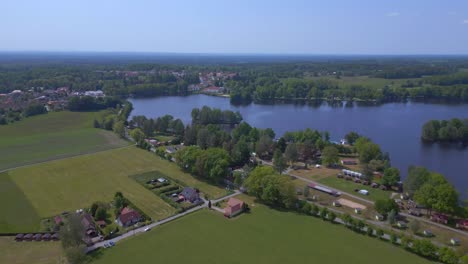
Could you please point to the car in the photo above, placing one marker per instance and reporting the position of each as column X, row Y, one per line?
column 147, row 229
column 106, row 245
column 112, row 243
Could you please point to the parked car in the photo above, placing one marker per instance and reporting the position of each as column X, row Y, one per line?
column 112, row 243
column 147, row 229
column 106, row 245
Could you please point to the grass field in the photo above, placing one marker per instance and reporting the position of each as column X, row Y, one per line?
column 51, row 136
column 349, row 186
column 12, row 252
column 18, row 215
column 263, row 236
column 69, row 184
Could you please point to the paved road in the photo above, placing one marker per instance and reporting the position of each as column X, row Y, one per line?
column 169, row 219
column 288, row 172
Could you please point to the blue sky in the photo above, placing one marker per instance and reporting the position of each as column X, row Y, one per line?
column 241, row 26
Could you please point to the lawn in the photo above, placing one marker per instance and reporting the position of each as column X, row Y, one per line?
column 18, row 215
column 30, row 252
column 349, row 186
column 263, row 236
column 69, row 184
column 51, row 136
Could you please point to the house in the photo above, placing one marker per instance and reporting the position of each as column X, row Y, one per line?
column 128, row 217
column 462, row 224
column 88, row 224
column 348, row 162
column 234, row 207
column 439, row 218
column 189, row 194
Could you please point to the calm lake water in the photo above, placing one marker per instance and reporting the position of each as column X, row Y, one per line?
column 396, row 127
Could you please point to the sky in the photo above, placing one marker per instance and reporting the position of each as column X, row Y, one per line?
column 241, row 26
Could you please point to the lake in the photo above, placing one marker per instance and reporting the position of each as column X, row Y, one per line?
column 396, row 127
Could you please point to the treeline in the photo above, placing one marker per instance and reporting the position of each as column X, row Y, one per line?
column 165, row 124
column 88, row 103
column 9, row 115
column 454, row 130
column 115, row 119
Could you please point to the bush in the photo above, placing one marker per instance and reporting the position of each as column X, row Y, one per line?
column 370, row 231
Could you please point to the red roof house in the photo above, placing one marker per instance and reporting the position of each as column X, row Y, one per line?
column 439, row 218
column 128, row 217
column 233, row 207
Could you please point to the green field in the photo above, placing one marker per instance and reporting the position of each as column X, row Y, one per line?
column 263, row 236
column 349, row 186
column 30, row 252
column 47, row 189
column 18, row 215
column 51, row 136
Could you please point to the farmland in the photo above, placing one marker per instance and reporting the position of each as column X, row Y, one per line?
column 263, row 236
column 30, row 252
column 51, row 136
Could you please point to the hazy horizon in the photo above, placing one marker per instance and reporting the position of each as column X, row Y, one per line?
column 336, row 27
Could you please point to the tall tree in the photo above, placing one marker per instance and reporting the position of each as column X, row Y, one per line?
column 279, row 161
column 291, row 153
column 330, row 155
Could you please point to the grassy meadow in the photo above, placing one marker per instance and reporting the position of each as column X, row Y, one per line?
column 51, row 136
column 12, row 252
column 47, row 189
column 349, row 186
column 263, row 236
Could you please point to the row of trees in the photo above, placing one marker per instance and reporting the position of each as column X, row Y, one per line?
column 88, row 103
column 454, row 130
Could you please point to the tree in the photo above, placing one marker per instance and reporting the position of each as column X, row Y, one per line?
column 119, row 129
column 306, row 191
column 346, row 219
column 324, row 213
column 417, row 176
column 360, row 225
column 315, row 210
column 370, row 231
column 380, row 233
column 392, row 217
column 306, row 208
column 71, row 233
column 424, row 248
column 351, row 137
column 385, row 206
column 436, row 193
column 448, row 256
column 415, row 226
column 137, row 135
column 101, row 214
column 393, row 238
column 291, row 153
column 94, row 208
column 240, row 154
column 430, row 131
column 391, row 177
column 264, row 146
column 279, row 163
column 332, row 216
column 330, row 156
column 281, row 144
column 96, row 124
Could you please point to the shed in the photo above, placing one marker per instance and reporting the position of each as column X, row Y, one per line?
column 37, row 237
column 46, row 237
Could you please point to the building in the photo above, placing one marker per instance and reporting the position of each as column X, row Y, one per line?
column 189, row 194
column 128, row 217
column 439, row 218
column 462, row 224
column 88, row 225
column 234, row 207
column 348, row 162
